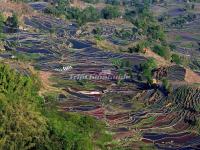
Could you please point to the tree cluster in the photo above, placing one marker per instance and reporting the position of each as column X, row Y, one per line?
column 27, row 123
column 147, row 68
column 89, row 14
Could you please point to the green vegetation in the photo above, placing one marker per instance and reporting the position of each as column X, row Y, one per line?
column 155, row 32
column 74, row 131
column 26, row 57
column 59, row 8
column 62, row 9
column 123, row 66
column 162, row 51
column 50, row 97
column 78, row 84
column 166, row 85
column 29, row 118
column 99, row 38
column 195, row 64
column 89, row 14
column 182, row 19
column 179, row 60
column 139, row 48
column 124, row 34
column 110, row 12
column 138, row 105
column 19, row 101
column 1, row 26
column 185, row 98
column 147, row 68
column 146, row 25
column 145, row 146
column 145, row 122
column 176, row 58
column 188, row 45
column 26, row 123
column 91, row 1
column 12, row 22
column 113, row 2
column 1, row 22
column 178, row 38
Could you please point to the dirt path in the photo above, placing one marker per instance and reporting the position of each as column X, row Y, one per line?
column 160, row 60
column 46, row 83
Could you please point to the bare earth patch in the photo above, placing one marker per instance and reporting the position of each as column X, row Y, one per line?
column 20, row 8
column 191, row 77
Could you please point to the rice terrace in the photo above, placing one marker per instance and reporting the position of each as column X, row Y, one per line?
column 99, row 74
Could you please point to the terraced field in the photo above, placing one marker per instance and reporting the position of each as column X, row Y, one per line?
column 184, row 36
column 132, row 111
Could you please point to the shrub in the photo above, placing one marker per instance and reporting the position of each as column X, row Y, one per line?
column 89, row 14
column 147, row 68
column 139, row 48
column 113, row 2
column 176, row 58
column 1, row 22
column 52, row 10
column 162, row 51
column 73, row 13
column 166, row 85
column 155, row 32
column 110, row 12
column 97, row 31
column 180, row 60
column 13, row 22
column 123, row 67
column 91, row 1
column 130, row 14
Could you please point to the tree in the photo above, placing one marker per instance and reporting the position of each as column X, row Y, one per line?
column 156, row 32
column 59, row 8
column 113, row 2
column 1, row 22
column 162, row 51
column 91, row 1
column 25, row 122
column 89, row 14
column 123, row 67
column 13, row 22
column 147, row 68
column 176, row 58
column 73, row 13
column 166, row 85
column 139, row 48
column 110, row 12
column 62, row 5
column 23, row 127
